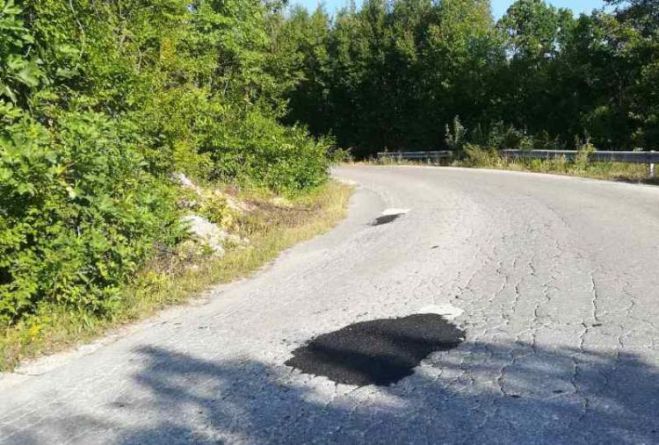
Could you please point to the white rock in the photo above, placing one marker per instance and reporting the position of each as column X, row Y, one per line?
column 233, row 204
column 448, row 311
column 184, row 180
column 391, row 212
column 207, row 232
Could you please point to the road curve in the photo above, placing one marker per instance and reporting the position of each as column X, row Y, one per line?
column 557, row 277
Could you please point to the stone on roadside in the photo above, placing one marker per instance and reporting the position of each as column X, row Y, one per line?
column 207, row 232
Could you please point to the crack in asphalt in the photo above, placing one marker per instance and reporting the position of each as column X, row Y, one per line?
column 560, row 319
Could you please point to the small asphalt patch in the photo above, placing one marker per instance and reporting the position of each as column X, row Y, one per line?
column 388, row 216
column 385, row 219
column 379, row 352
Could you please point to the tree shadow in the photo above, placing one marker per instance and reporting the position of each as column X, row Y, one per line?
column 514, row 393
column 480, row 393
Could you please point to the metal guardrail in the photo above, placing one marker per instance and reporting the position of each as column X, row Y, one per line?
column 636, row 157
column 416, row 155
column 633, row 157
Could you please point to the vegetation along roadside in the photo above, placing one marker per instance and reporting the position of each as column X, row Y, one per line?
column 394, row 74
column 104, row 108
column 255, row 225
column 125, row 124
column 473, row 156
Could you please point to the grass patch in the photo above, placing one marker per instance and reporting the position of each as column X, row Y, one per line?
column 581, row 167
column 273, row 225
column 483, row 158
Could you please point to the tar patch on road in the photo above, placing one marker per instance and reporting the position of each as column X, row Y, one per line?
column 379, row 352
column 386, row 219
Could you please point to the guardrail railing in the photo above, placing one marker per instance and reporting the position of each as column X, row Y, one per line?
column 633, row 157
column 636, row 157
column 416, row 155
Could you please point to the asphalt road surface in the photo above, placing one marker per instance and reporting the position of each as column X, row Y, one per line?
column 557, row 278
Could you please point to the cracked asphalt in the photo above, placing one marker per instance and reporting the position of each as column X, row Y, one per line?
column 558, row 279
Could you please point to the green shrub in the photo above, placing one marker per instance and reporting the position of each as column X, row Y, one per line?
column 99, row 103
column 258, row 150
column 78, row 214
column 583, row 155
column 500, row 136
column 477, row 156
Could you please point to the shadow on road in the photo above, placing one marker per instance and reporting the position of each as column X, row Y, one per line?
column 478, row 393
column 512, row 394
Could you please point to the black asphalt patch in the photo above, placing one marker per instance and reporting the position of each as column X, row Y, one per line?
column 379, row 352
column 386, row 219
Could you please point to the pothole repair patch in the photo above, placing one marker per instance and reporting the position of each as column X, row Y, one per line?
column 385, row 219
column 388, row 216
column 379, row 352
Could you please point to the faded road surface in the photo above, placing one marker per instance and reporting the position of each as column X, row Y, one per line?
column 558, row 279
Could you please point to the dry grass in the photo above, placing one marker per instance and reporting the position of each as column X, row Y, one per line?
column 611, row 171
column 174, row 277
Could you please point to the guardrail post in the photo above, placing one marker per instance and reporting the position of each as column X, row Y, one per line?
column 652, row 169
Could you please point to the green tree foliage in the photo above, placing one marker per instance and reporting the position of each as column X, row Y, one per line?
column 78, row 216
column 301, row 53
column 637, row 42
column 395, row 74
column 533, row 30
column 100, row 101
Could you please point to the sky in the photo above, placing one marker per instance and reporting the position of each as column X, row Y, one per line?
column 499, row 7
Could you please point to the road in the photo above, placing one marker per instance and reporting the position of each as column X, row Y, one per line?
column 557, row 277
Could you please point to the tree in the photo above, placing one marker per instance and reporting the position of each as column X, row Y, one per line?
column 393, row 74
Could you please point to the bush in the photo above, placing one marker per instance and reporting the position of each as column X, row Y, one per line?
column 258, row 150
column 78, row 214
column 499, row 136
column 583, row 154
column 477, row 156
column 99, row 103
